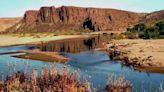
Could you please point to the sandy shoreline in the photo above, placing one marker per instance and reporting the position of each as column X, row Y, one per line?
column 140, row 52
column 9, row 40
column 36, row 54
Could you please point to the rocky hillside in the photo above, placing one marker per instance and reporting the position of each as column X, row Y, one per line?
column 152, row 18
column 7, row 22
column 74, row 18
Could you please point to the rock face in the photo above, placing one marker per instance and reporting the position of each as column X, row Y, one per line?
column 74, row 18
column 30, row 17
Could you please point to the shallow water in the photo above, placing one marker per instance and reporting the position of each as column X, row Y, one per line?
column 94, row 64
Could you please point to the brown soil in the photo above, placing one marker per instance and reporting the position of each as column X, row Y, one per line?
column 150, row 69
column 43, row 56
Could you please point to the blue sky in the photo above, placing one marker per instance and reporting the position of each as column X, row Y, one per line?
column 16, row 8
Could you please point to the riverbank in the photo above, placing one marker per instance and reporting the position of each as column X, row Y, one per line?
column 18, row 39
column 138, row 52
column 50, row 46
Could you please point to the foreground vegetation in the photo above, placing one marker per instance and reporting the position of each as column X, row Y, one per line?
column 50, row 80
column 53, row 79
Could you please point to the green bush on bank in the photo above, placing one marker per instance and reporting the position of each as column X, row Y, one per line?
column 126, row 35
column 145, row 32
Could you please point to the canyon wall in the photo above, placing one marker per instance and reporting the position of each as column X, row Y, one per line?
column 51, row 19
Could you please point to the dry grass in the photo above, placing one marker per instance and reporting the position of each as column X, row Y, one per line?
column 50, row 80
column 53, row 79
column 118, row 84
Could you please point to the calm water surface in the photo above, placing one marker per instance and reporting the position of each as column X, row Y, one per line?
column 94, row 64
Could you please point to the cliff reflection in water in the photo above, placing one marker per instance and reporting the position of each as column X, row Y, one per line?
column 75, row 45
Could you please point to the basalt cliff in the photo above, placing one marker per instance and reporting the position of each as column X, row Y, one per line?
column 51, row 19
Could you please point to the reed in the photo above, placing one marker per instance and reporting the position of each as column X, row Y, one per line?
column 50, row 80
column 54, row 79
column 118, row 84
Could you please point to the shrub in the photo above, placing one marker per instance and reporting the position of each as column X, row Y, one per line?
column 50, row 80
column 118, row 36
column 137, row 28
column 131, row 35
column 118, row 84
column 142, row 31
column 160, row 26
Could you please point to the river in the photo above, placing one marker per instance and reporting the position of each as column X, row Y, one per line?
column 94, row 64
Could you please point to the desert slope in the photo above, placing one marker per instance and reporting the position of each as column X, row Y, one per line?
column 8, row 22
column 152, row 18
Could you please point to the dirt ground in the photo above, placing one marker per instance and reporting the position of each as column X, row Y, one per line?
column 8, row 40
column 144, row 48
